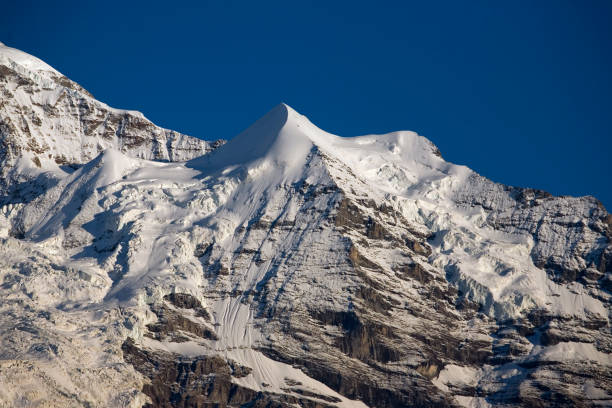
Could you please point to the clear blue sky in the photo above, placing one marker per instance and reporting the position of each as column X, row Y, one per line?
column 520, row 91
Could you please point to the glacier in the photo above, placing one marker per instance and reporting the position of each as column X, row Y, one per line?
column 286, row 267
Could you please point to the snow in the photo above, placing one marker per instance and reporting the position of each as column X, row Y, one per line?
column 132, row 225
column 457, row 375
column 65, row 124
column 570, row 351
column 472, row 402
column 493, row 267
column 273, row 138
column 282, row 139
column 19, row 59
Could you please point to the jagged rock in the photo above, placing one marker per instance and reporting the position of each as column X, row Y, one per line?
column 170, row 322
column 187, row 301
column 204, row 382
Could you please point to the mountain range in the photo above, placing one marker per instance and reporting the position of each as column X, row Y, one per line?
column 285, row 267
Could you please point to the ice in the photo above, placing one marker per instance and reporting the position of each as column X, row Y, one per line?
column 99, row 243
column 14, row 57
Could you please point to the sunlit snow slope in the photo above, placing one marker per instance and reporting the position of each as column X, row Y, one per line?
column 293, row 267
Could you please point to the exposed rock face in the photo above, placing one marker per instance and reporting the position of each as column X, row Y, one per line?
column 295, row 268
column 207, row 381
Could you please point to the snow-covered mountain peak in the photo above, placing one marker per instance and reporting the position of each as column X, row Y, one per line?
column 283, row 139
column 290, row 267
column 275, row 138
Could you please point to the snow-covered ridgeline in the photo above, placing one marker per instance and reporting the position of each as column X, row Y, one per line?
column 347, row 271
column 48, row 122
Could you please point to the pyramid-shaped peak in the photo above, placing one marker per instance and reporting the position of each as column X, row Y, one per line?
column 283, row 138
column 280, row 135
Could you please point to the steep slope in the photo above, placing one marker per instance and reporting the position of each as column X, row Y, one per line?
column 49, row 123
column 292, row 267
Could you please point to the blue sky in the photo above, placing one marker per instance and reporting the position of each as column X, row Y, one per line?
column 520, row 91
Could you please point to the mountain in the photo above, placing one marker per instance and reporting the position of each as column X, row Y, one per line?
column 292, row 267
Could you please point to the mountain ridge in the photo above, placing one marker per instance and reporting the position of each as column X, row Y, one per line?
column 50, row 125
column 292, row 266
